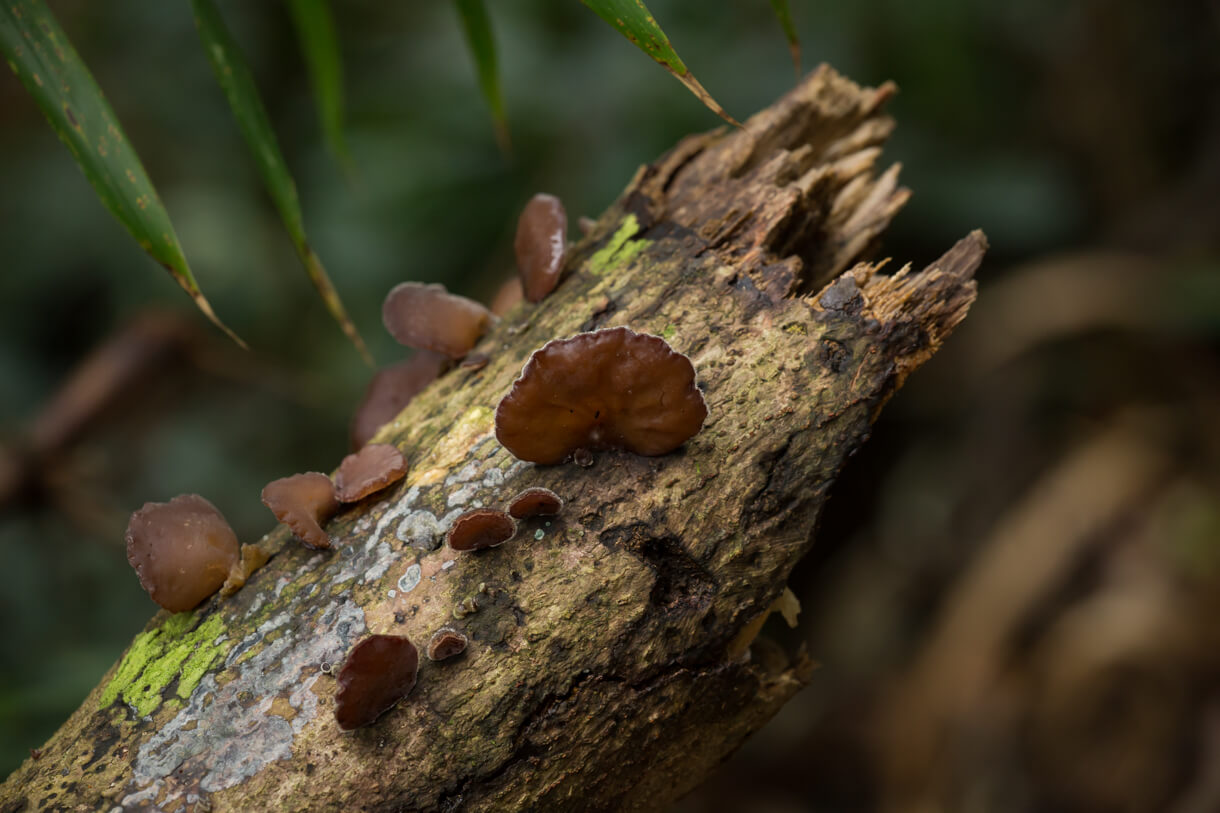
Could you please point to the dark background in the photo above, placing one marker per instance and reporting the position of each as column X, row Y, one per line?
column 1083, row 137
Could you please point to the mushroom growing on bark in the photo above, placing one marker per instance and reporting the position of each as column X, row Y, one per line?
column 609, row 389
column 430, row 318
column 446, row 642
column 534, row 502
column 541, row 244
column 182, row 550
column 481, row 528
column 371, row 469
column 379, row 671
column 390, row 390
column 303, row 502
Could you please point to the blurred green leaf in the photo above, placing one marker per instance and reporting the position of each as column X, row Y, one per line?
column 477, row 26
column 784, row 15
column 634, row 21
column 238, row 85
column 319, row 44
column 41, row 56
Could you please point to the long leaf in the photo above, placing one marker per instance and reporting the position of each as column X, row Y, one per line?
column 784, row 15
column 320, row 46
column 635, row 22
column 238, row 85
column 477, row 26
column 41, row 56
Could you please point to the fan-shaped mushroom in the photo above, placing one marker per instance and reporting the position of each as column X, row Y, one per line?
column 541, row 244
column 390, row 390
column 481, row 528
column 182, row 550
column 371, row 469
column 430, row 318
column 609, row 389
column 303, row 502
column 534, row 502
column 446, row 642
column 379, row 671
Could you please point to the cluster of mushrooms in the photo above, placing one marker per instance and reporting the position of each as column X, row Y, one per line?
column 608, row 389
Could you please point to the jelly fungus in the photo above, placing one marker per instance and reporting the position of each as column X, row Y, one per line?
column 369, row 470
column 303, row 502
column 609, row 389
column 430, row 318
column 446, row 642
column 481, row 528
column 534, row 502
column 182, row 550
column 541, row 244
column 507, row 298
column 390, row 390
column 380, row 671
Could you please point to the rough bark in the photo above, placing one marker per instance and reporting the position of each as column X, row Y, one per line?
column 598, row 675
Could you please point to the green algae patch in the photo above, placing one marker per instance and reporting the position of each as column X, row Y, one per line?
column 618, row 251
column 177, row 649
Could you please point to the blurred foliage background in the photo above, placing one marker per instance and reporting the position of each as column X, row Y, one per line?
column 1016, row 588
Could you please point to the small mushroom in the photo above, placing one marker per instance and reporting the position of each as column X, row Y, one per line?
column 534, row 502
column 541, row 244
column 371, row 469
column 430, row 318
column 390, row 390
column 303, row 502
column 182, row 550
column 609, row 389
column 380, row 671
column 481, row 528
column 507, row 297
column 446, row 642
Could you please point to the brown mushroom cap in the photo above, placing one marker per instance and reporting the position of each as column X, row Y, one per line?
column 507, row 297
column 534, row 502
column 431, row 318
column 609, row 389
column 390, row 390
column 371, row 469
column 181, row 550
column 380, row 671
column 446, row 642
column 303, row 502
column 541, row 244
column 481, row 528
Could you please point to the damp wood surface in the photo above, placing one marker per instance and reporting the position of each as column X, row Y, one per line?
column 598, row 674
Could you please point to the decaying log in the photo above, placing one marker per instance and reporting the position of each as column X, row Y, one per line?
column 598, row 675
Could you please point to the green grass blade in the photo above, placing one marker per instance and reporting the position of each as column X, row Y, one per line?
column 784, row 15
column 320, row 46
column 477, row 26
column 41, row 56
column 238, row 85
column 634, row 21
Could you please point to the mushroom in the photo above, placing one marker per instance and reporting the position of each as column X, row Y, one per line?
column 182, row 550
column 541, row 244
column 390, row 390
column 371, row 469
column 481, row 528
column 535, row 502
column 303, row 502
column 380, row 671
column 609, row 389
column 446, row 642
column 507, row 297
column 430, row 318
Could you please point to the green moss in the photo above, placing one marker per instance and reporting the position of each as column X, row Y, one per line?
column 178, row 649
column 617, row 252
column 668, row 332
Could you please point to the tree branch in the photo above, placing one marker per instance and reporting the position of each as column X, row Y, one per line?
column 598, row 675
